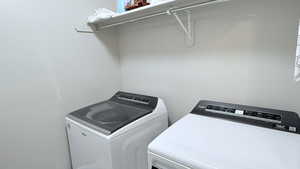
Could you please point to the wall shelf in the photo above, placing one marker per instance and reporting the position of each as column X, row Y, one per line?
column 169, row 7
column 137, row 14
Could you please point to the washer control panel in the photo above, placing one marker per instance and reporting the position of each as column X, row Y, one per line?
column 269, row 118
column 148, row 102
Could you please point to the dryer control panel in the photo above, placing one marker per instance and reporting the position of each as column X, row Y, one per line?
column 269, row 118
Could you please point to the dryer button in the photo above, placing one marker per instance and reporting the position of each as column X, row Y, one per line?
column 292, row 129
column 240, row 112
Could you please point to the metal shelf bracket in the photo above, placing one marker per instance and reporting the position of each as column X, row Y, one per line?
column 187, row 28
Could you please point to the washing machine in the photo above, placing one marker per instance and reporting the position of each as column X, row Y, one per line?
column 114, row 134
column 229, row 136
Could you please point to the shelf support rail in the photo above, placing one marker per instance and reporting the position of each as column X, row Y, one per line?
column 196, row 5
column 84, row 31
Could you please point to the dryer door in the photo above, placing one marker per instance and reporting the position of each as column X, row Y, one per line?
column 158, row 162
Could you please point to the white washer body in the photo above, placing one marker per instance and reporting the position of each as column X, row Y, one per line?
column 200, row 142
column 126, row 148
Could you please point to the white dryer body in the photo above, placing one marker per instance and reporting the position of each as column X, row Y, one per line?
column 201, row 141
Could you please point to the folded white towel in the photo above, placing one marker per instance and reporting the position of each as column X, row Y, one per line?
column 101, row 14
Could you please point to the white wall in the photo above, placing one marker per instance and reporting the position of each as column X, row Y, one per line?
column 244, row 53
column 48, row 70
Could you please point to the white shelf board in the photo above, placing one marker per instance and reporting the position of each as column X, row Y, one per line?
column 148, row 11
column 137, row 13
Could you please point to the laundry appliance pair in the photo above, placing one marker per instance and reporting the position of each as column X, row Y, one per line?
column 129, row 131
